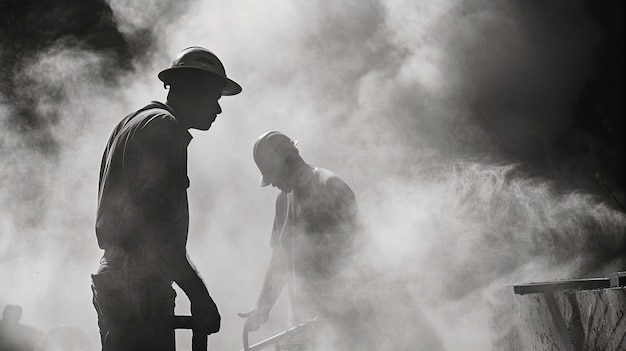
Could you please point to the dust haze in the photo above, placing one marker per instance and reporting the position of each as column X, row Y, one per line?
column 466, row 129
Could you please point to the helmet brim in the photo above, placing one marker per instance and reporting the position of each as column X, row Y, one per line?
column 263, row 182
column 230, row 88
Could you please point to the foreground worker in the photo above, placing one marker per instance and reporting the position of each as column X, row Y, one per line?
column 319, row 253
column 314, row 231
column 143, row 218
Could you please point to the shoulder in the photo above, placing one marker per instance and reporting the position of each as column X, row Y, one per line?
column 158, row 116
column 328, row 178
column 332, row 184
column 157, row 120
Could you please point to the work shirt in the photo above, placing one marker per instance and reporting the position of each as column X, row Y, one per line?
column 314, row 228
column 315, row 238
column 143, row 217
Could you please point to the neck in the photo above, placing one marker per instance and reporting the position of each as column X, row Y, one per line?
column 303, row 174
column 179, row 111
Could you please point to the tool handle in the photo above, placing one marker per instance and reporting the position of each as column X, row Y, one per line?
column 199, row 339
column 246, row 345
column 199, row 342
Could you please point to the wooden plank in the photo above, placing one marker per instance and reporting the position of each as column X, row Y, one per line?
column 576, row 284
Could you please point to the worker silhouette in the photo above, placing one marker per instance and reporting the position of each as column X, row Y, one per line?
column 317, row 246
column 15, row 336
column 143, row 213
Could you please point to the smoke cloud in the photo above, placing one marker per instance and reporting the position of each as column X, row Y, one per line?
column 467, row 129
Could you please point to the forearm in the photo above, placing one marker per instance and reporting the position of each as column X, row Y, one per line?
column 275, row 279
column 189, row 281
column 204, row 310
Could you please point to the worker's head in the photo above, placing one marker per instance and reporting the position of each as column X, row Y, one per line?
column 197, row 80
column 12, row 314
column 277, row 158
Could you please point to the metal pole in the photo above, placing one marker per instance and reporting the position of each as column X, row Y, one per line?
column 199, row 340
column 276, row 338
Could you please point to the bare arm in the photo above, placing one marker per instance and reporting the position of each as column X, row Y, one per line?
column 275, row 279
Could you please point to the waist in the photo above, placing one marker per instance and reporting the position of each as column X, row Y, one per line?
column 128, row 266
column 108, row 275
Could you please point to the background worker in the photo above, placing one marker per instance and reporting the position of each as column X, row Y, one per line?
column 15, row 336
column 314, row 230
column 143, row 217
column 319, row 253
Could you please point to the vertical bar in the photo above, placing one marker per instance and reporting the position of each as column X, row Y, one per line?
column 575, row 329
column 199, row 341
column 559, row 322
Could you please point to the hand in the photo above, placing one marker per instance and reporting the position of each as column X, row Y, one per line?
column 206, row 317
column 256, row 317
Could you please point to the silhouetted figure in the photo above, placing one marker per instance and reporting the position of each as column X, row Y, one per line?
column 143, row 215
column 316, row 246
column 315, row 224
column 15, row 336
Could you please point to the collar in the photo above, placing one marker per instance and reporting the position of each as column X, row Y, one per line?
column 169, row 109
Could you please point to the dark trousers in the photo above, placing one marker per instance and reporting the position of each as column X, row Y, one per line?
column 134, row 313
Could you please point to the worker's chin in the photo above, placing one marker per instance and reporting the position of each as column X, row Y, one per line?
column 204, row 126
column 284, row 188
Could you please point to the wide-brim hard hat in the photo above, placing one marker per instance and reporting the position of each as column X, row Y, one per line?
column 199, row 58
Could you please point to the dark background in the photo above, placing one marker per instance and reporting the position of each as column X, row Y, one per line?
column 585, row 151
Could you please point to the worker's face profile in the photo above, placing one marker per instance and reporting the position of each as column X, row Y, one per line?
column 282, row 179
column 205, row 106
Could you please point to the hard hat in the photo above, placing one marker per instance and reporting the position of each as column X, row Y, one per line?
column 270, row 151
column 199, row 58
